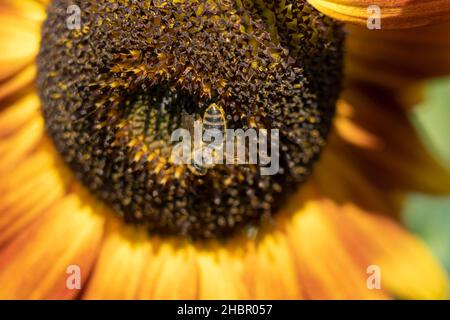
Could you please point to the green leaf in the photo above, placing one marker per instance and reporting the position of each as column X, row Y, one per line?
column 428, row 216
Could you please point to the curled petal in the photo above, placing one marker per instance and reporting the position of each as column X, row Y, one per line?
column 395, row 14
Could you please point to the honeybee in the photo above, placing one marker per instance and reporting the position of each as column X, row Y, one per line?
column 213, row 119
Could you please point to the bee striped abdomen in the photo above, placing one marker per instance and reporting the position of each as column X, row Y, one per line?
column 214, row 118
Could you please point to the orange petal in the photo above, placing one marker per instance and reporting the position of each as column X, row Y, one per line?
column 19, row 83
column 28, row 190
column 35, row 264
column 395, row 14
column 362, row 218
column 408, row 270
column 33, row 10
column 16, row 146
column 397, row 58
column 18, row 113
column 379, row 139
column 327, row 270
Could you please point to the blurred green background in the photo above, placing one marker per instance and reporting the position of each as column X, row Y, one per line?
column 429, row 217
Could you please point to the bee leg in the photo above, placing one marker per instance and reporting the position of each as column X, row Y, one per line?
column 197, row 168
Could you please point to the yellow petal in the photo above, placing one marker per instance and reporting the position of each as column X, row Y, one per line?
column 132, row 265
column 177, row 275
column 271, row 270
column 220, row 274
column 395, row 14
column 121, row 263
column 19, row 35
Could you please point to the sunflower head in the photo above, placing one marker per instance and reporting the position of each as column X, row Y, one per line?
column 115, row 78
column 113, row 91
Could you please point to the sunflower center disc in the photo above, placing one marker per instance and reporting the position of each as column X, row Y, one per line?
column 115, row 87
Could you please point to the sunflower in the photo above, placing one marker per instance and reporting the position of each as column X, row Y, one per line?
column 86, row 181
